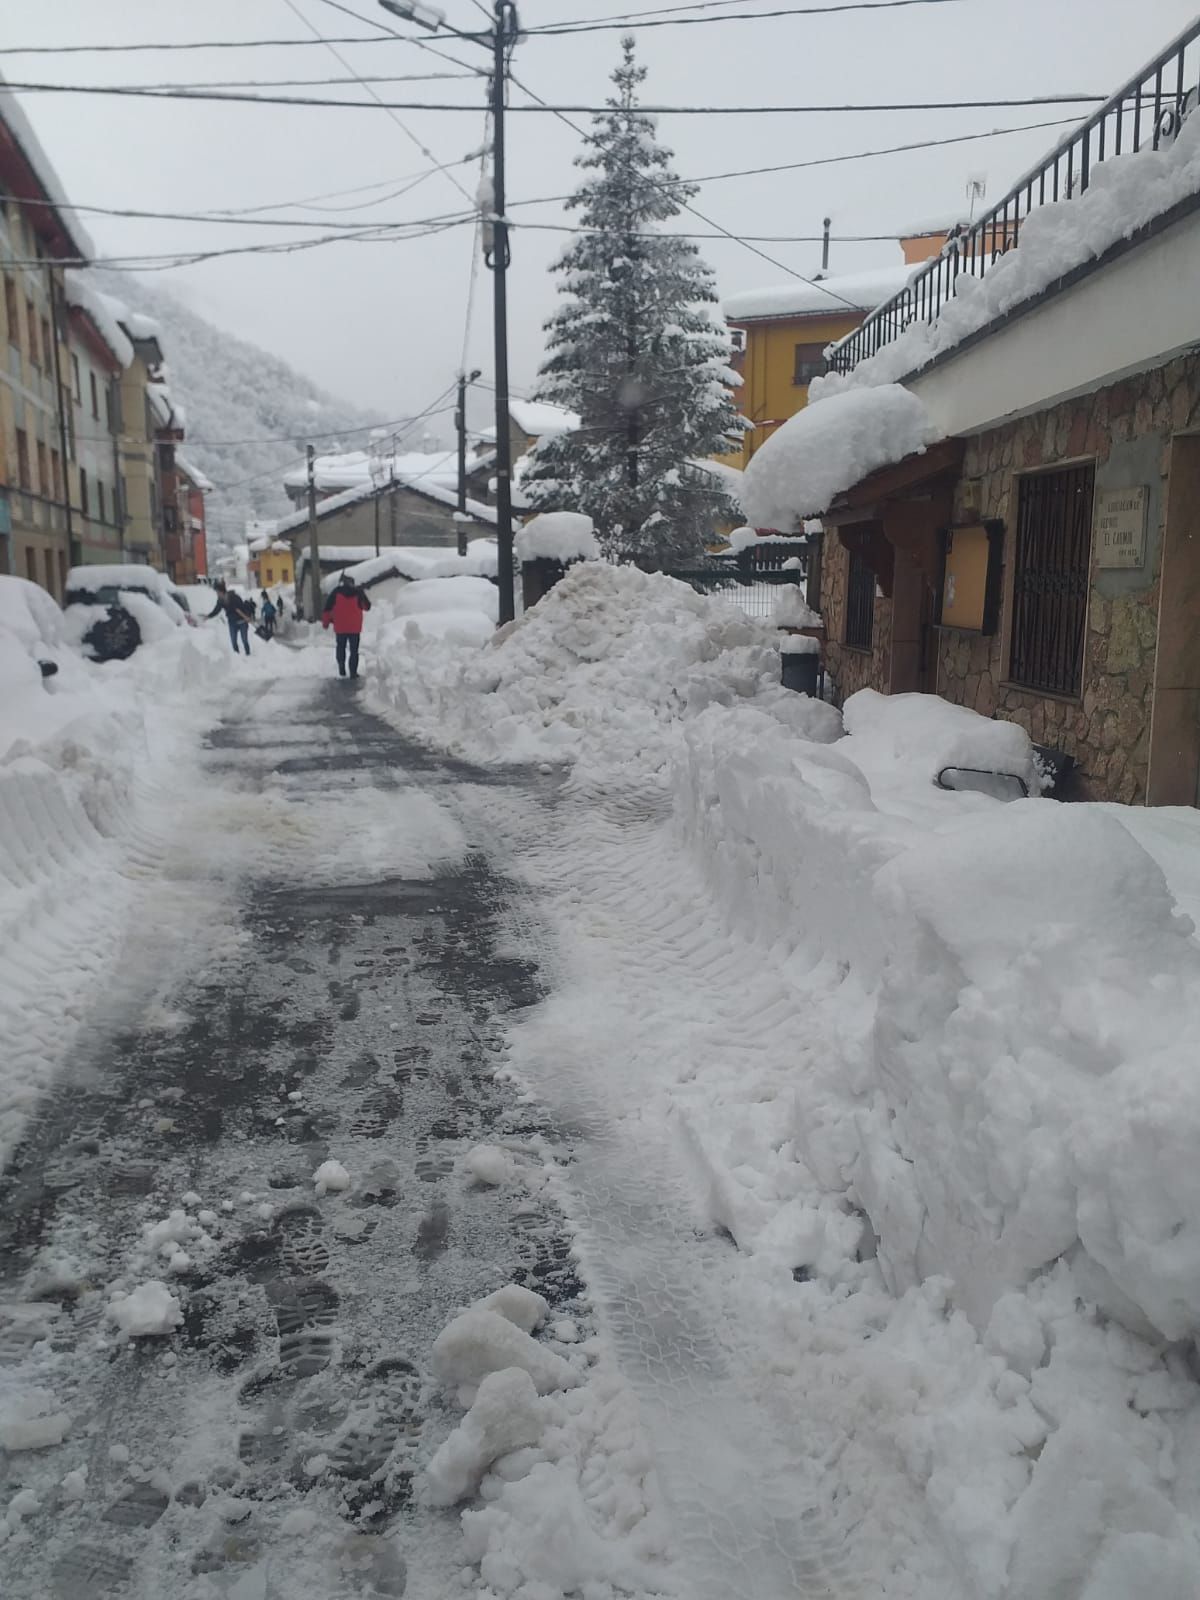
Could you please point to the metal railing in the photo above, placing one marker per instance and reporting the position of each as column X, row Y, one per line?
column 1145, row 113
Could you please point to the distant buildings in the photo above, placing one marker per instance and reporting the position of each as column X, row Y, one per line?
column 780, row 334
column 88, row 430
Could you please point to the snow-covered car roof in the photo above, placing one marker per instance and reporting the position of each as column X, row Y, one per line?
column 85, row 582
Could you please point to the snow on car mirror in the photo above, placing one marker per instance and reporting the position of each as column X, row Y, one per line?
column 1000, row 785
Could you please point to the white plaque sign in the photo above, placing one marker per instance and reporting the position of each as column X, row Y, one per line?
column 1121, row 527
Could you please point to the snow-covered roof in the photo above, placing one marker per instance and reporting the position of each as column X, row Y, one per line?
column 541, row 420
column 827, row 297
column 193, row 472
column 928, row 226
column 42, row 168
column 1124, row 193
column 81, row 294
column 827, row 448
column 429, row 488
column 359, row 468
column 141, row 326
column 169, row 415
column 135, row 326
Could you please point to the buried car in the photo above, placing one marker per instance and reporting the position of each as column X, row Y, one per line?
column 112, row 609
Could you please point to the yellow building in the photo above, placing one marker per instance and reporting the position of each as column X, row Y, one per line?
column 780, row 334
column 38, row 519
column 272, row 563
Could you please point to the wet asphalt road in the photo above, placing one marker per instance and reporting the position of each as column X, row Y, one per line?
column 270, row 1446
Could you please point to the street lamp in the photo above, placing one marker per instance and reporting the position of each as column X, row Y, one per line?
column 496, row 257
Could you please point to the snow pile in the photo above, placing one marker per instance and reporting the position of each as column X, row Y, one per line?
column 149, row 1311
column 460, row 609
column 608, row 667
column 80, row 756
column 558, row 536
column 330, row 1177
column 825, row 449
column 32, row 1420
column 992, row 1111
column 505, row 1415
column 1124, row 193
column 559, row 1461
column 792, row 610
column 482, row 1340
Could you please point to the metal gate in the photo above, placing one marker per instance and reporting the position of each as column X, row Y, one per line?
column 1050, row 579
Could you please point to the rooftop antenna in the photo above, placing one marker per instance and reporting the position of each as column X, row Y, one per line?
column 826, row 225
column 976, row 190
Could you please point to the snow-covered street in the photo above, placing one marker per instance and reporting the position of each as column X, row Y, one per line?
column 508, row 1137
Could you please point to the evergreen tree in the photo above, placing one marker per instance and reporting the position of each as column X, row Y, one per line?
column 632, row 349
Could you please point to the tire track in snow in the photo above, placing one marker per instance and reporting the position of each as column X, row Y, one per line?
column 765, row 1505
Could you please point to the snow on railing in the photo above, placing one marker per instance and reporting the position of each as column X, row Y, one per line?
column 1145, row 113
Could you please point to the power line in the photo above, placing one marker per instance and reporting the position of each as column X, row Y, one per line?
column 315, row 83
column 247, row 215
column 683, row 204
column 192, row 44
column 559, row 29
column 403, row 126
column 228, row 98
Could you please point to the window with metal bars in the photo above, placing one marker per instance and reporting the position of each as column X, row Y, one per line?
column 860, row 604
column 1051, row 562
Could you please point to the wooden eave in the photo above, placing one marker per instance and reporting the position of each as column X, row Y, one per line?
column 916, row 474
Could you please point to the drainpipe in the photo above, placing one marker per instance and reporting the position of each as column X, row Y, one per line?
column 60, row 413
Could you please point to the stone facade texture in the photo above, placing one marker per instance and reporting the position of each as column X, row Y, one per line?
column 1125, row 429
column 849, row 669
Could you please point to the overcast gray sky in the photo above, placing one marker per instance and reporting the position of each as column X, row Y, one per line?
column 382, row 323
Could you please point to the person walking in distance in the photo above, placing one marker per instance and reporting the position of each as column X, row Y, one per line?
column 344, row 610
column 239, row 614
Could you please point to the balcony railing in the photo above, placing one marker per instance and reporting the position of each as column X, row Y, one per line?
column 1145, row 113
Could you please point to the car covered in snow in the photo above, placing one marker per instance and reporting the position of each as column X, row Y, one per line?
column 31, row 630
column 111, row 609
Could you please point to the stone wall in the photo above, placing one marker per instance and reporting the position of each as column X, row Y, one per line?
column 851, row 670
column 1125, row 429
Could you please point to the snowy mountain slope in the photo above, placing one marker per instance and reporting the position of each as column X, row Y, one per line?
column 234, row 391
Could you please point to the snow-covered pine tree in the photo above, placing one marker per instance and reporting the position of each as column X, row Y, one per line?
column 633, row 350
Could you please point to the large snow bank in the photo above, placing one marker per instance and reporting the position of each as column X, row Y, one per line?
column 1025, row 998
column 78, row 767
column 827, row 448
column 1124, row 193
column 557, row 536
column 610, row 663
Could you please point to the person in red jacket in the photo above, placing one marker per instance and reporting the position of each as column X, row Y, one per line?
column 344, row 610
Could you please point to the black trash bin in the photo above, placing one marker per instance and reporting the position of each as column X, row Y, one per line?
column 799, row 671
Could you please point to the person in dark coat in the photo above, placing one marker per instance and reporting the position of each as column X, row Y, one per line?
column 344, row 612
column 239, row 614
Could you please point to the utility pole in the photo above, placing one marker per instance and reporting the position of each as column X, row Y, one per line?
column 496, row 256
column 506, row 20
column 314, row 549
column 460, row 424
